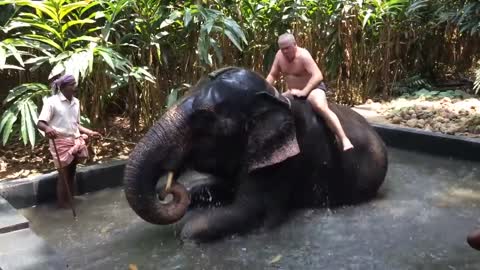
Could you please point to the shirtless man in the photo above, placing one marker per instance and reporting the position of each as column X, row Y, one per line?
column 304, row 79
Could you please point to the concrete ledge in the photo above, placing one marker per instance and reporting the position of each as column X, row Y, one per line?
column 429, row 142
column 27, row 192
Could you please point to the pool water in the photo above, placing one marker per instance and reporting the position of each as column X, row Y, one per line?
column 419, row 220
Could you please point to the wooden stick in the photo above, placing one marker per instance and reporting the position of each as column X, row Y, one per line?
column 62, row 176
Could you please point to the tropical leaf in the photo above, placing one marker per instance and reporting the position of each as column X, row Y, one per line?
column 68, row 8
column 20, row 90
column 9, row 117
column 82, row 38
column 43, row 26
column 41, row 7
column 45, row 40
column 69, row 24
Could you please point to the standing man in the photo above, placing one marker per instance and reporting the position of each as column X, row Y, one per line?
column 304, row 79
column 60, row 120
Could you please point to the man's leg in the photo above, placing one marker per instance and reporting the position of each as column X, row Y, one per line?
column 62, row 194
column 319, row 102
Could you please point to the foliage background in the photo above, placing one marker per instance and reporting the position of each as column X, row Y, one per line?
column 136, row 57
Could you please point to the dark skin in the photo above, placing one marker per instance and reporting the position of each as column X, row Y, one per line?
column 69, row 171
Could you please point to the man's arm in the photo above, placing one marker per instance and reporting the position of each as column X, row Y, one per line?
column 45, row 116
column 89, row 132
column 312, row 68
column 49, row 131
column 274, row 71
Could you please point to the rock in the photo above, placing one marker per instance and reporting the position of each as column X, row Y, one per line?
column 412, row 123
column 476, row 130
column 446, row 100
column 396, row 120
column 369, row 101
column 421, row 123
column 439, row 119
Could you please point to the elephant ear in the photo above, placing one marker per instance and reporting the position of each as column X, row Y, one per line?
column 271, row 132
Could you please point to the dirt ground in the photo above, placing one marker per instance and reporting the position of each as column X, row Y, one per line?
column 456, row 117
column 19, row 161
column 460, row 117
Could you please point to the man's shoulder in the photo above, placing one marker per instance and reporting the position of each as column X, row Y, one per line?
column 51, row 99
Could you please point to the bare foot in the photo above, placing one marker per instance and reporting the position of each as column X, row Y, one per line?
column 347, row 145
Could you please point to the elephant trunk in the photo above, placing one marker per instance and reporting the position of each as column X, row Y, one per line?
column 161, row 150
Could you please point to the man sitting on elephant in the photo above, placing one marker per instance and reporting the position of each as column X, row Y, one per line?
column 304, row 79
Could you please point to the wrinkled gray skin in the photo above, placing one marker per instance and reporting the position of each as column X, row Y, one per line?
column 269, row 156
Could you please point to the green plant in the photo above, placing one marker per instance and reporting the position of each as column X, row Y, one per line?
column 60, row 36
column 21, row 100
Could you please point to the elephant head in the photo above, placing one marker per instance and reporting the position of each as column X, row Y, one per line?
column 230, row 123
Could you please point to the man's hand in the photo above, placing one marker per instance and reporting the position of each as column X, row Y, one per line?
column 51, row 133
column 297, row 93
column 95, row 134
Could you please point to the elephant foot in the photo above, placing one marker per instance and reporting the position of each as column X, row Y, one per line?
column 196, row 229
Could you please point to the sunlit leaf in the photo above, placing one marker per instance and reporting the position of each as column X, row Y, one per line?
column 47, row 10
column 44, row 40
column 107, row 58
column 9, row 117
column 67, row 9
column 187, row 18
column 57, row 69
column 75, row 22
column 30, row 111
column 82, row 38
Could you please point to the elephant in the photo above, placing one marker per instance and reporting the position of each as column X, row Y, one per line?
column 269, row 155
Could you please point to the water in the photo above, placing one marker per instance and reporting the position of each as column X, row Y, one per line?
column 419, row 221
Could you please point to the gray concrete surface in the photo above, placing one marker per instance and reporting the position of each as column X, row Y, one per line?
column 10, row 220
column 24, row 250
column 419, row 220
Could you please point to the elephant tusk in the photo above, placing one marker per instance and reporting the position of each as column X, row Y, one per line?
column 169, row 180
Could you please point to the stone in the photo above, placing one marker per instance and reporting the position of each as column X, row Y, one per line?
column 421, row 123
column 396, row 120
column 411, row 123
